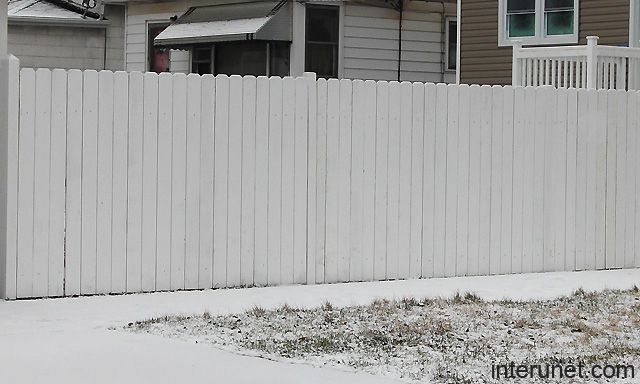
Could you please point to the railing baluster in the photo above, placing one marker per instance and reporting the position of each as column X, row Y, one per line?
column 566, row 72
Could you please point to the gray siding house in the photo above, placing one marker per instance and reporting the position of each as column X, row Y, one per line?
column 64, row 34
column 412, row 40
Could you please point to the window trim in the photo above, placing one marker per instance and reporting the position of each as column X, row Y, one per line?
column 447, row 40
column 540, row 37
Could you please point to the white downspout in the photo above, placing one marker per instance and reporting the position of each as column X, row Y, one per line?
column 458, row 25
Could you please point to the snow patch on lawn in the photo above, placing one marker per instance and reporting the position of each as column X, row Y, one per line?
column 452, row 340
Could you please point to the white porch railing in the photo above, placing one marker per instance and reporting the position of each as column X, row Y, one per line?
column 590, row 66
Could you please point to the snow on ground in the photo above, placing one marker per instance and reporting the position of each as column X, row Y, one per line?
column 75, row 339
column 435, row 340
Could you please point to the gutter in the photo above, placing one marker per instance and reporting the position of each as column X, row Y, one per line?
column 55, row 22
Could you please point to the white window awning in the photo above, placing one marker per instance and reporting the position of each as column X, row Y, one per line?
column 268, row 21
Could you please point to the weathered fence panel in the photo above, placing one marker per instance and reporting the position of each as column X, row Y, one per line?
column 130, row 182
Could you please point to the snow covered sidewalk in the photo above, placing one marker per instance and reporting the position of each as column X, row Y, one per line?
column 81, row 340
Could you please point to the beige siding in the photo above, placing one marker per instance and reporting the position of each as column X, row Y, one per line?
column 483, row 62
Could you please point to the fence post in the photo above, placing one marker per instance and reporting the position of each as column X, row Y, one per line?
column 592, row 62
column 516, row 68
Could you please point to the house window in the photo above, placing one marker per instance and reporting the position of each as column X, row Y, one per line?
column 452, row 44
column 322, row 40
column 538, row 22
column 158, row 60
column 257, row 58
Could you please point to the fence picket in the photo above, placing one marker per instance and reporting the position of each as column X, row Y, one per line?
column 288, row 179
column 381, row 171
column 262, row 181
column 192, row 193
column 221, row 161
column 178, row 181
column 393, row 177
column 300, row 230
column 105, row 177
column 417, row 172
column 149, row 181
column 234, row 201
column 275, row 181
column 119, row 182
column 163, row 216
column 42, row 157
column 205, row 269
column 248, row 230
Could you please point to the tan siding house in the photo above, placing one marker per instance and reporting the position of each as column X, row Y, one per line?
column 484, row 61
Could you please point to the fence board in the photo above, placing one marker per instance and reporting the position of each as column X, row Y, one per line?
column 247, row 240
column 192, row 192
column 221, row 160
column 462, row 204
column 393, row 181
column 475, row 131
column 105, row 177
column 357, row 179
column 300, row 229
column 88, row 263
column 42, row 157
column 404, row 207
column 381, row 171
column 506, row 243
column 484, row 262
column 178, row 181
column 163, row 199
column 495, row 240
column 417, row 172
column 234, row 201
column 275, row 178
column 518, row 180
column 631, row 180
column 571, row 189
column 288, row 180
column 451, row 191
column 344, row 244
column 207, row 99
column 314, row 249
column 120, row 180
column 369, row 183
column 332, row 100
column 9, row 286
column 262, row 181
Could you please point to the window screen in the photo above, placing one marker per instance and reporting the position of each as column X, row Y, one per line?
column 322, row 38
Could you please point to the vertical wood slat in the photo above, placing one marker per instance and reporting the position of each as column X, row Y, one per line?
column 221, row 142
column 149, row 241
column 275, row 184
column 381, row 172
column 248, row 188
column 262, row 181
column 192, row 191
column 234, row 172
column 345, row 121
column 26, row 182
column 119, row 182
column 105, row 177
column 163, row 199
column 88, row 263
column 300, row 192
column 404, row 208
column 178, row 181
column 8, row 272
column 288, row 179
column 42, row 156
column 207, row 166
column 357, row 179
column 393, row 180
column 332, row 100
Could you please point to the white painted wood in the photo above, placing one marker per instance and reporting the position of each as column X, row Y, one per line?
column 314, row 248
column 417, row 172
column 581, row 179
column 9, row 273
column 357, row 179
column 462, row 203
column 475, row 131
column 178, row 181
column 234, row 202
column 518, row 179
column 381, row 171
column 332, row 100
column 119, row 182
column 88, row 264
column 344, row 243
column 288, row 180
column 248, row 230
column 369, row 183
column 301, row 143
column 507, row 181
column 451, row 192
column 428, row 193
column 149, row 181
column 485, row 158
column 495, row 241
column 192, row 193
column 275, row 184
column 261, row 181
column 42, row 157
column 163, row 215
column 393, row 181
column 26, row 182
column 631, row 180
column 622, row 174
column 440, row 223
column 601, row 154
column 221, row 142
column 105, row 178
column 404, row 207
column 570, row 258
column 318, row 93
column 590, row 160
column 207, row 99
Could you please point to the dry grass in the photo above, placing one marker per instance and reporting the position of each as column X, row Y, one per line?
column 449, row 340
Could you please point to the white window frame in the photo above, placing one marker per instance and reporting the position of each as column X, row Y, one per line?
column 540, row 37
column 447, row 67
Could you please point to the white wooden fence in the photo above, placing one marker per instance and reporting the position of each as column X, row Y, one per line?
column 137, row 182
column 590, row 66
